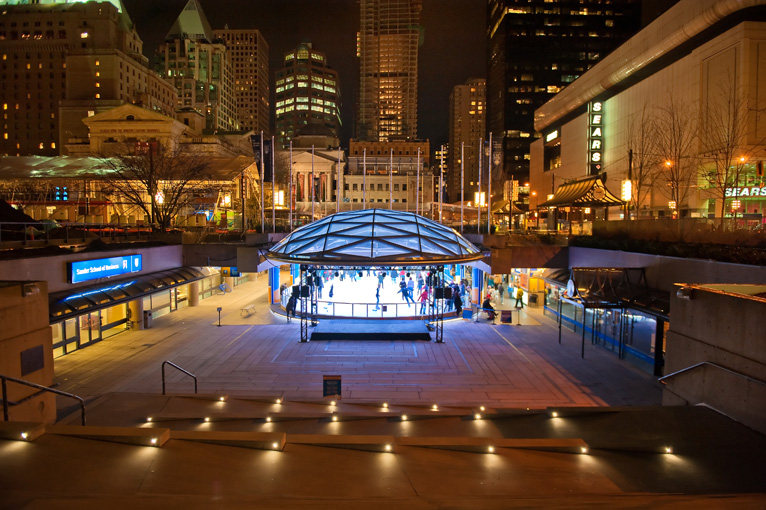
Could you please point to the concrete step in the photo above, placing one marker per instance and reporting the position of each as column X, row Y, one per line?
column 256, row 440
column 127, row 435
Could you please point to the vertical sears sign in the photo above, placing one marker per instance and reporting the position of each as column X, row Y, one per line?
column 595, row 137
column 85, row 270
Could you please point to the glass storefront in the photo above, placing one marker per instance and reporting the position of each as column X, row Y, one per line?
column 628, row 333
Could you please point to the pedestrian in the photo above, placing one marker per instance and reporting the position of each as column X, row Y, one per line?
column 403, row 291
column 381, row 277
column 420, row 283
column 290, row 308
column 519, row 298
column 320, row 285
column 411, row 290
column 377, row 297
column 332, row 290
column 500, row 290
column 458, row 304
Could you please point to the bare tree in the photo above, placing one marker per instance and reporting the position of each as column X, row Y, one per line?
column 675, row 143
column 724, row 139
column 156, row 178
column 643, row 160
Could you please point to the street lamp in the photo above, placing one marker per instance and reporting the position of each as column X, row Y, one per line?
column 537, row 216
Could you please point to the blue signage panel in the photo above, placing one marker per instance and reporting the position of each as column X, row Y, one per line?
column 85, row 270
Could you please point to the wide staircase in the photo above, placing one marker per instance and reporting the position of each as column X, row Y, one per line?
column 261, row 451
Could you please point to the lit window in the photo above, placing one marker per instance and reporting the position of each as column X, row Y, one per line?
column 42, row 146
column 83, row 35
column 98, row 62
column 53, row 145
column 98, row 96
column 98, row 73
column 98, row 85
column 5, row 136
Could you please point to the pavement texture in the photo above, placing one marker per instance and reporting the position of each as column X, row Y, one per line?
column 492, row 441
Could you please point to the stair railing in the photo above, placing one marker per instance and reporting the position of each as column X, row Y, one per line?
column 4, row 381
column 180, row 369
column 663, row 379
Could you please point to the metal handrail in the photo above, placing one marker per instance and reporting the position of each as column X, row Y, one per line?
column 179, row 368
column 688, row 369
column 5, row 378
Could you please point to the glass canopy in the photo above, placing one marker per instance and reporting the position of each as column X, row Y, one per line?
column 374, row 237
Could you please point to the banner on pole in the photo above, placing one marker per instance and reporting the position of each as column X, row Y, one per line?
column 266, row 172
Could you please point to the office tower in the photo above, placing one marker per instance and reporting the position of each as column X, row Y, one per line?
column 248, row 53
column 535, row 48
column 197, row 64
column 62, row 62
column 387, row 47
column 307, row 94
column 467, row 125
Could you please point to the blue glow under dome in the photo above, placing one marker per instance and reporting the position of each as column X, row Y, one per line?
column 374, row 237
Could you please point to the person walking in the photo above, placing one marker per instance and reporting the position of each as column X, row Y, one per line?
column 411, row 290
column 320, row 285
column 290, row 308
column 403, row 291
column 500, row 290
column 458, row 303
column 519, row 298
column 381, row 277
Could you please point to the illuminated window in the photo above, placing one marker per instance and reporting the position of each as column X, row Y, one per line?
column 98, row 85
column 41, row 145
column 83, row 35
column 53, row 145
column 98, row 96
column 98, row 62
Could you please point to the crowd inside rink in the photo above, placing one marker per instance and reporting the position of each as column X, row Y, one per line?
column 390, row 293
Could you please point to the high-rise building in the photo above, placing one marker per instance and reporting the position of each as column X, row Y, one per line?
column 535, row 48
column 248, row 53
column 467, row 125
column 307, row 93
column 387, row 46
column 61, row 62
column 197, row 64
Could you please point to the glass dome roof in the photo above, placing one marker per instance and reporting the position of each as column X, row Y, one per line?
column 374, row 237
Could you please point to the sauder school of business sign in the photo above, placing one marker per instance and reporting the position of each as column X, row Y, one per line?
column 85, row 270
column 595, row 137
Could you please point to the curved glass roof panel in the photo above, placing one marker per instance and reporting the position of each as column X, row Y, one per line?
column 374, row 237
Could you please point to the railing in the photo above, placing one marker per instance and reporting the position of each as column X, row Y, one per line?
column 5, row 378
column 178, row 368
column 367, row 310
column 70, row 232
column 689, row 369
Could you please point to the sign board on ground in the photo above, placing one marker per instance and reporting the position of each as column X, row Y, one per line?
column 331, row 386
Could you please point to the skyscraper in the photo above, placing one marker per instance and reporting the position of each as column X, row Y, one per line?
column 307, row 93
column 387, row 46
column 248, row 53
column 535, row 48
column 61, row 62
column 467, row 124
column 197, row 64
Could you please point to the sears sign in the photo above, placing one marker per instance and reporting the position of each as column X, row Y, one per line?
column 85, row 270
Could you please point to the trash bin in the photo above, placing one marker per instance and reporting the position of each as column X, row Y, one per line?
column 147, row 319
column 532, row 299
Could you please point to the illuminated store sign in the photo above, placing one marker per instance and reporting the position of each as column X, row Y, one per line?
column 551, row 136
column 750, row 191
column 85, row 270
column 595, row 137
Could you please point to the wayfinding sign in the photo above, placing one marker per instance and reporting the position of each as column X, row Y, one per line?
column 331, row 386
column 84, row 270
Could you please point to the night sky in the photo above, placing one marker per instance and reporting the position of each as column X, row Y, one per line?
column 453, row 49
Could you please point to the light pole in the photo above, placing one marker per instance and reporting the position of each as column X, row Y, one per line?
column 537, row 217
column 219, row 316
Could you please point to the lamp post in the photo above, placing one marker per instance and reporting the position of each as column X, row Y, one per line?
column 219, row 316
column 537, row 217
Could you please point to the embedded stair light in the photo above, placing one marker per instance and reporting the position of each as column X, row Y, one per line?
column 275, row 445
column 221, row 399
column 388, row 447
column 481, row 408
column 268, row 418
column 491, row 449
column 334, row 418
column 153, row 440
column 207, row 419
column 477, row 416
column 278, row 401
column 583, row 449
column 149, row 419
column 434, row 407
column 554, row 414
column 24, row 435
column 385, row 405
column 404, row 417
column 332, row 402
column 668, row 449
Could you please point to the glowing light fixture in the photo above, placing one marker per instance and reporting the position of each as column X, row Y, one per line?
column 388, row 447
column 154, row 440
column 491, row 449
column 404, row 417
column 24, row 435
column 275, row 445
column 334, row 418
column 554, row 414
column 477, row 416
column 583, row 449
column 149, row 419
column 668, row 449
column 434, row 407
column 332, row 402
column 268, row 418
column 385, row 405
column 278, row 401
column 207, row 419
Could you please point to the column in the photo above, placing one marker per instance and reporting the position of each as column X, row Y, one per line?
column 136, row 308
column 274, row 285
column 476, row 283
column 193, row 294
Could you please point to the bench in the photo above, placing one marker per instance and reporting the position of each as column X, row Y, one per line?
column 247, row 309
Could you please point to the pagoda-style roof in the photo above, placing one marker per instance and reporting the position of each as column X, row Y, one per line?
column 587, row 192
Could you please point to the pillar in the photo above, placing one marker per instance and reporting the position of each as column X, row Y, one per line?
column 229, row 281
column 295, row 272
column 136, row 308
column 274, row 296
column 476, row 281
column 193, row 294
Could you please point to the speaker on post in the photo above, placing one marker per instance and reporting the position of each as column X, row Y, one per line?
column 305, row 291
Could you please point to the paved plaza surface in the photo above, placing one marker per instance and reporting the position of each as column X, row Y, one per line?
column 479, row 363
column 605, row 449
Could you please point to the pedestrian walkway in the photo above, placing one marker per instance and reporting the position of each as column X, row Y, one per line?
column 479, row 362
